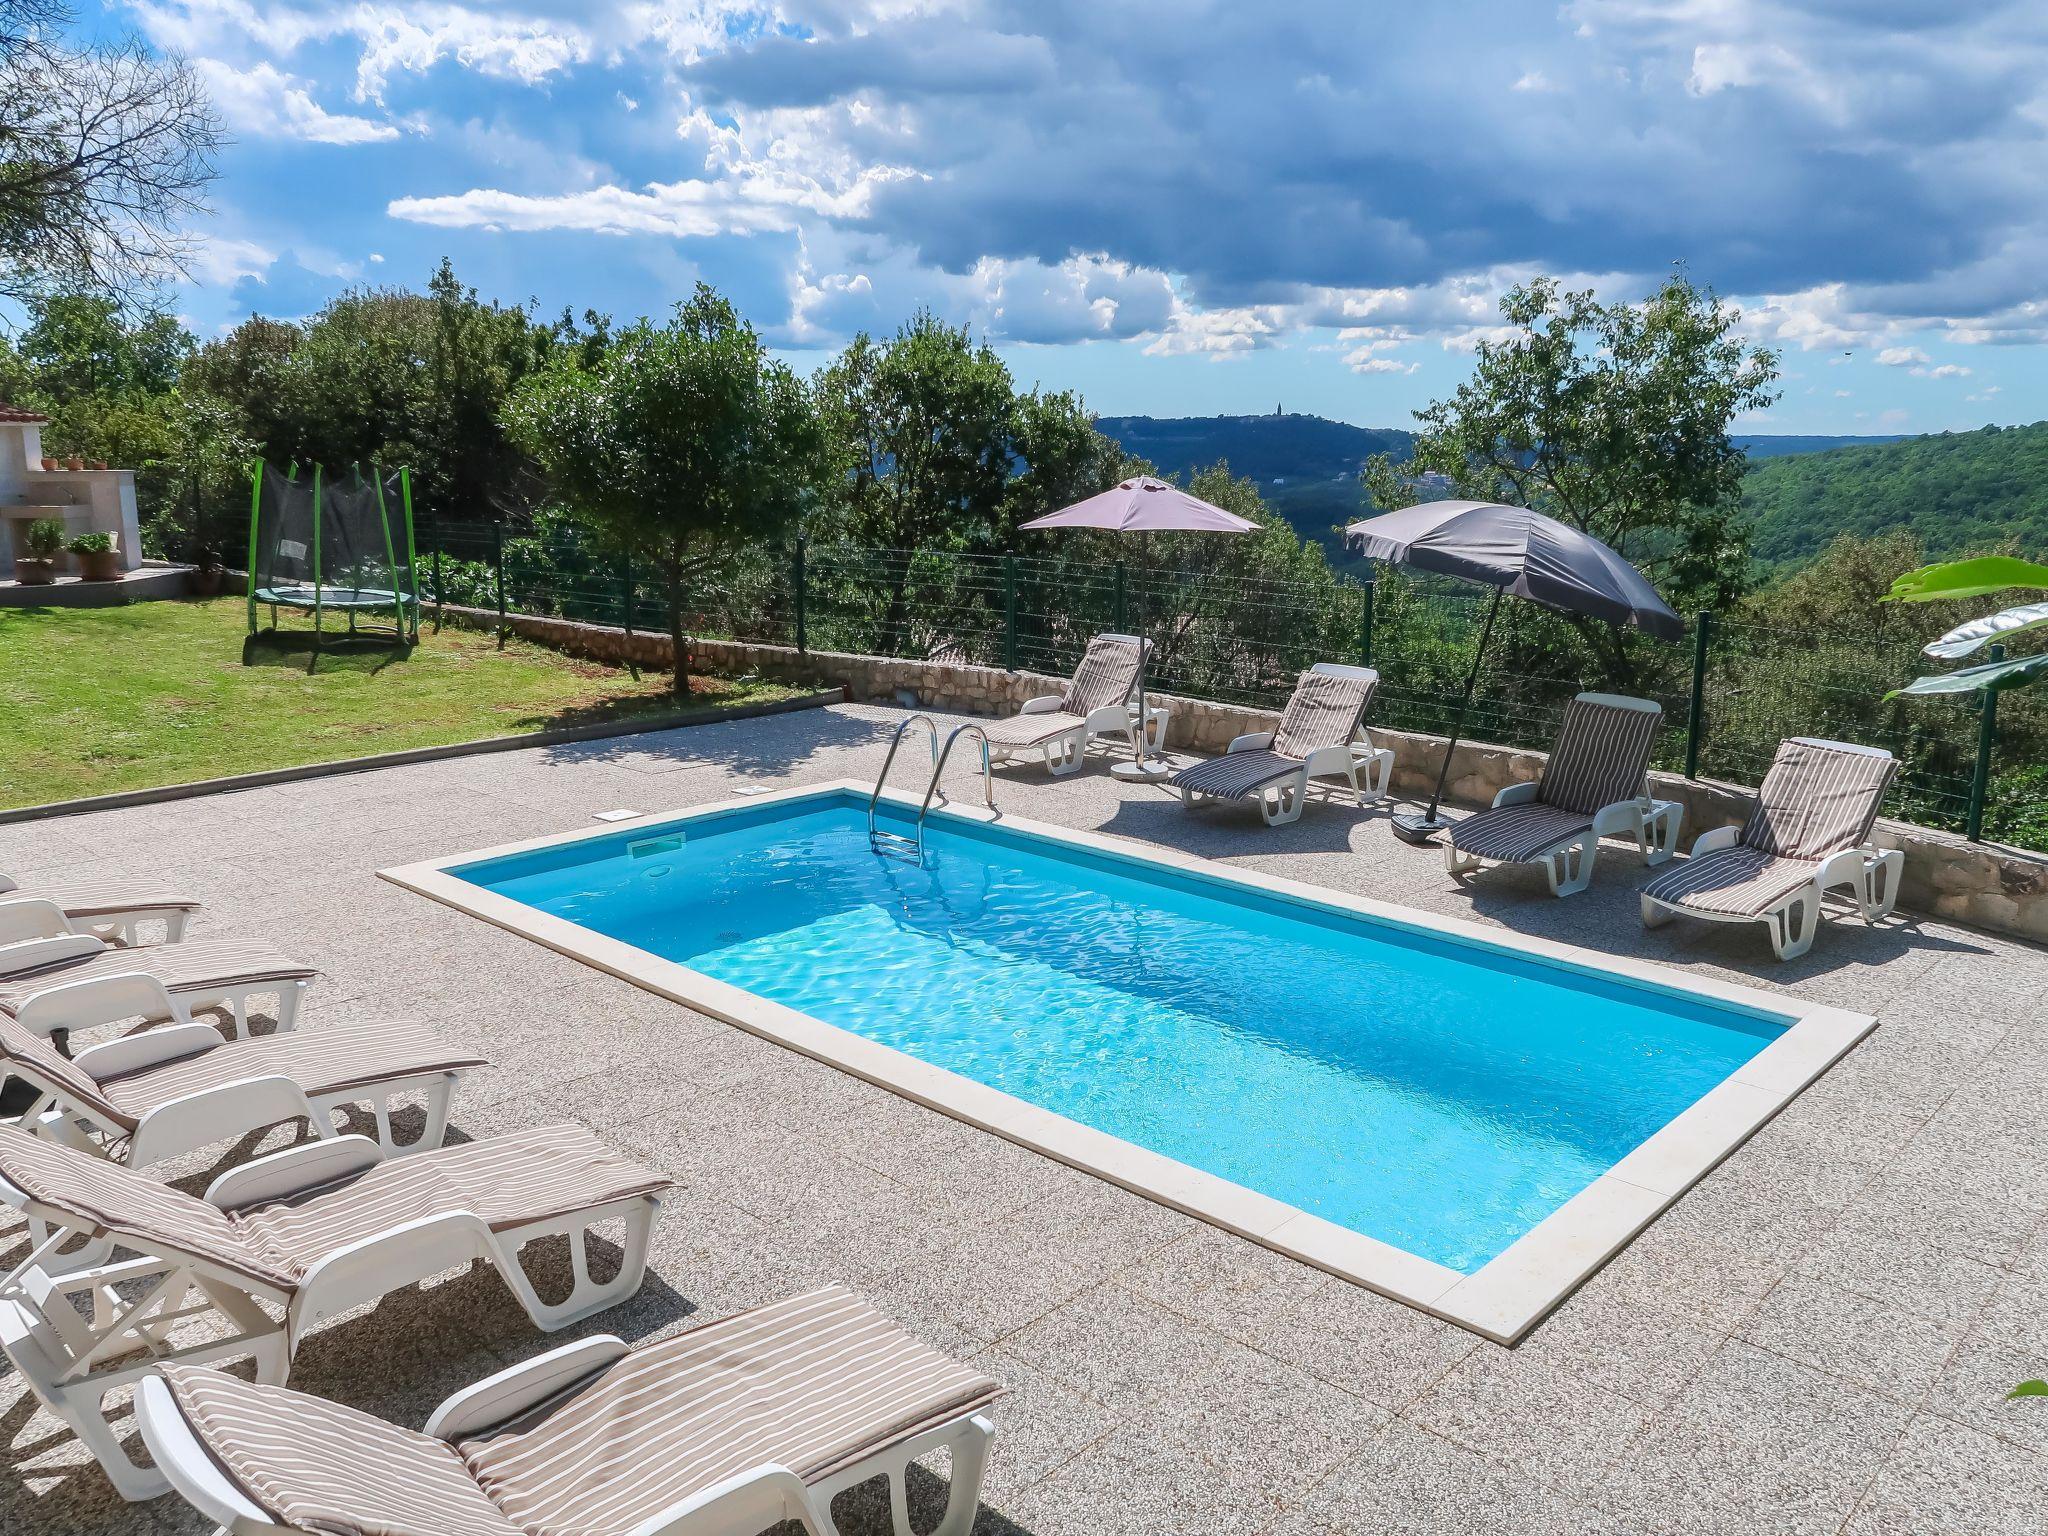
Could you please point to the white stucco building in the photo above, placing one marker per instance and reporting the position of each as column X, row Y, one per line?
column 83, row 500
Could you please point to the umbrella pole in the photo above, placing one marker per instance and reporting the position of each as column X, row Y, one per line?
column 1421, row 830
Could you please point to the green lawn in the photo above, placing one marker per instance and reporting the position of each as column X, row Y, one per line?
column 99, row 700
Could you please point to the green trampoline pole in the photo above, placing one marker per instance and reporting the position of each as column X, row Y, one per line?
column 412, row 551
column 390, row 556
column 318, row 517
column 255, row 519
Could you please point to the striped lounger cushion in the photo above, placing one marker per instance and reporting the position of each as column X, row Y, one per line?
column 813, row 1384
column 52, row 1067
column 196, row 964
column 1601, row 757
column 1104, row 679
column 1741, row 882
column 84, row 899
column 1030, row 730
column 1323, row 711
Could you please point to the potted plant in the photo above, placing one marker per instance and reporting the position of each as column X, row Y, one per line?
column 98, row 560
column 50, row 464
column 95, row 463
column 36, row 565
column 209, row 574
column 76, row 461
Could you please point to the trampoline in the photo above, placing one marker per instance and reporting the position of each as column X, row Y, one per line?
column 343, row 545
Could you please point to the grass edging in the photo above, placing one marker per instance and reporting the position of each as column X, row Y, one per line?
column 557, row 737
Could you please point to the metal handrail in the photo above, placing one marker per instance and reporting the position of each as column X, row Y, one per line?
column 988, row 777
column 875, row 837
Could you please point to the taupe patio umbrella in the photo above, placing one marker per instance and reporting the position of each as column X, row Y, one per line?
column 1143, row 505
column 1513, row 550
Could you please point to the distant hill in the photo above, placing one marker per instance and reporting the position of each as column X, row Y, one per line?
column 1958, row 491
column 1770, row 446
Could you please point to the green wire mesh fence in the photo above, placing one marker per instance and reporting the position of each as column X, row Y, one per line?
column 1727, row 701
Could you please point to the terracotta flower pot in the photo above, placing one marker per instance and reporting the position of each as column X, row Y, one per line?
column 35, row 573
column 99, row 565
column 95, row 463
column 74, row 462
column 203, row 582
column 51, row 464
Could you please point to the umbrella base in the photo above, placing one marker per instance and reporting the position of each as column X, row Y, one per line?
column 1150, row 771
column 1420, row 830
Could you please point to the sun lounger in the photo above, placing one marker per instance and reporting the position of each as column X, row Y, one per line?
column 1321, row 733
column 1594, row 785
column 726, row 1430
column 1059, row 726
column 39, row 951
column 309, row 1232
column 112, row 910
column 1809, row 832
column 162, row 1092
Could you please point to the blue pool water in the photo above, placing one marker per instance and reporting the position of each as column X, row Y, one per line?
column 1438, row 1096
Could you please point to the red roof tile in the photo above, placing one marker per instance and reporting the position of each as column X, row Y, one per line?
column 19, row 413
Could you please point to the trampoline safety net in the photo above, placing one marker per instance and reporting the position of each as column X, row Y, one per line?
column 339, row 543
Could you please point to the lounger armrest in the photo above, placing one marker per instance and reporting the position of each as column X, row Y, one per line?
column 83, row 1005
column 7, row 886
column 1517, row 794
column 1843, row 868
column 509, row 1393
column 1250, row 741
column 184, row 1459
column 1719, row 838
column 150, row 1048
column 388, row 1261
column 31, row 917
column 219, row 1113
column 295, row 1169
column 1622, row 816
column 1044, row 704
column 1111, row 717
column 26, row 955
column 757, row 1499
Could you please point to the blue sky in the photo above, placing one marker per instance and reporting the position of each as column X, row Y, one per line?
column 1174, row 206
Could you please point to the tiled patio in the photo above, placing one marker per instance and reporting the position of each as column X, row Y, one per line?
column 1818, row 1338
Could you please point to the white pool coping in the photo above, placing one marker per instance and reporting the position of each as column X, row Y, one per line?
column 1502, row 1301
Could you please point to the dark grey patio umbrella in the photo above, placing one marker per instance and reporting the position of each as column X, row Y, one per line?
column 1513, row 550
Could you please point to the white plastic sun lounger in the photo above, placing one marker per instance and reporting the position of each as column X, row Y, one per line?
column 307, row 1233
column 1059, row 726
column 39, row 950
column 1594, row 785
column 1321, row 734
column 112, row 911
column 163, row 1092
column 726, row 1430
column 1809, row 832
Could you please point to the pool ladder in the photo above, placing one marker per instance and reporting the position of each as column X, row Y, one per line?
column 883, row 841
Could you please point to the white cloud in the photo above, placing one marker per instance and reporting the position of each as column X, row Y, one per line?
column 1947, row 371
column 264, row 102
column 1903, row 357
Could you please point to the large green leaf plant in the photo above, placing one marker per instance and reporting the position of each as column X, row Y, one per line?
column 1959, row 579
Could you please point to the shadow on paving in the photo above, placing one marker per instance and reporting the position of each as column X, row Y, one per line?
column 765, row 747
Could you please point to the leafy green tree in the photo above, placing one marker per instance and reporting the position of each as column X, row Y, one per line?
column 1059, row 458
column 681, row 442
column 923, row 428
column 1613, row 418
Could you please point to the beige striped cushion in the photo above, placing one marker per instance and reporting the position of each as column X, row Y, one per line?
column 321, row 1061
column 508, row 1181
column 317, row 1466
column 196, row 965
column 1030, row 730
column 37, row 1060
column 93, row 898
column 1602, row 756
column 143, row 1213
column 1817, row 799
column 1514, row 834
column 1106, row 676
column 1323, row 712
column 814, row 1384
column 1741, row 882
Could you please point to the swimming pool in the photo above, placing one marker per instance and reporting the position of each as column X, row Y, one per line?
column 1419, row 1105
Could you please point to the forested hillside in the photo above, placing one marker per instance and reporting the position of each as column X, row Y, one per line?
column 1957, row 492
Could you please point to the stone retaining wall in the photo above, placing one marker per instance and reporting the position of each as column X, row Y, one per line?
column 1983, row 884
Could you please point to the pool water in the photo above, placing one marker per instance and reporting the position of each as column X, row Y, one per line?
column 1437, row 1095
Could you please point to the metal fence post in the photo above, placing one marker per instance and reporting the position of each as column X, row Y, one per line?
column 797, row 580
column 1123, row 604
column 1010, row 612
column 1365, row 590
column 1696, row 716
column 1987, row 737
column 498, row 560
column 440, row 592
column 626, row 593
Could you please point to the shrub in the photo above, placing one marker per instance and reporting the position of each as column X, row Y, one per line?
column 43, row 539
column 92, row 544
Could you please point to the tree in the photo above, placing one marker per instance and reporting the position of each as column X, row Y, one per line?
column 1613, row 418
column 105, row 151
column 682, row 441
column 923, row 428
column 1059, row 457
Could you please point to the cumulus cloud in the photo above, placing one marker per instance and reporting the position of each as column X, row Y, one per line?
column 265, row 102
column 1903, row 357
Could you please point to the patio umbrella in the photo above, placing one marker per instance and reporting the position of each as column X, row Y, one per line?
column 1513, row 550
column 1144, row 505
